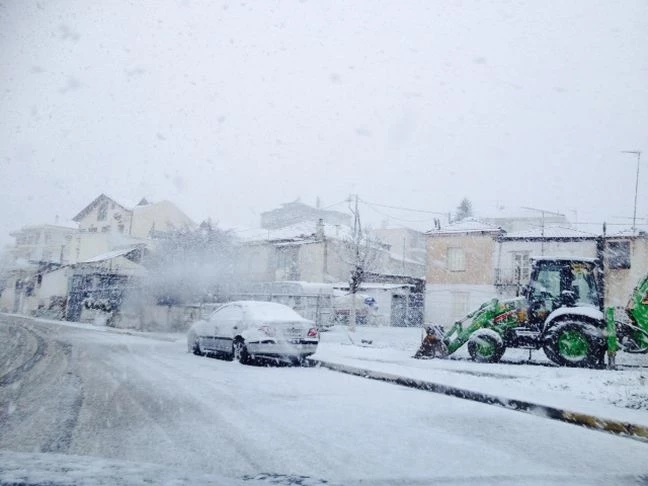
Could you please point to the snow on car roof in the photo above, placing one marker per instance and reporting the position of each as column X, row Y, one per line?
column 269, row 311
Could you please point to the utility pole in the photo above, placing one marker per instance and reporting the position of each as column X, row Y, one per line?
column 634, row 214
column 543, row 213
column 357, row 231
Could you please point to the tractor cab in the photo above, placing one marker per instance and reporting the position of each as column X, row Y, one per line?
column 556, row 283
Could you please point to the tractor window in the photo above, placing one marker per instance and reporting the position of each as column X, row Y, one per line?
column 547, row 284
column 584, row 286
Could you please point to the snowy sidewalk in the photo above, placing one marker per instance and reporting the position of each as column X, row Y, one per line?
column 620, row 395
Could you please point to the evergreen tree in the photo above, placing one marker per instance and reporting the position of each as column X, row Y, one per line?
column 464, row 210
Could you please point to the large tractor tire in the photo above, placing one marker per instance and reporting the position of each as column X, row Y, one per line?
column 486, row 346
column 576, row 344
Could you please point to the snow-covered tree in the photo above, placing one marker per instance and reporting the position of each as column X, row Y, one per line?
column 464, row 210
column 187, row 265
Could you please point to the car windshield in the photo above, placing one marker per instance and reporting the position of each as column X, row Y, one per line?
column 317, row 242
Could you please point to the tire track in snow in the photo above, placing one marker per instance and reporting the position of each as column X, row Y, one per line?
column 71, row 407
column 245, row 435
column 18, row 372
column 41, row 397
column 227, row 431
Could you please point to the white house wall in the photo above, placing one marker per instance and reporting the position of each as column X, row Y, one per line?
column 53, row 284
column 311, row 262
column 47, row 243
column 253, row 262
column 445, row 304
column 7, row 297
column 117, row 219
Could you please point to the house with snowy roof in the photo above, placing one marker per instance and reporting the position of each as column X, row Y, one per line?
column 512, row 219
column 297, row 212
column 516, row 248
column 318, row 252
column 471, row 261
column 460, row 271
column 42, row 243
column 48, row 259
column 626, row 263
column 106, row 225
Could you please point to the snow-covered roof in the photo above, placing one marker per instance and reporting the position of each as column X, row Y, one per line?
column 468, row 225
column 548, row 232
column 519, row 212
column 101, row 198
column 295, row 232
column 64, row 227
column 399, row 257
column 629, row 232
column 110, row 255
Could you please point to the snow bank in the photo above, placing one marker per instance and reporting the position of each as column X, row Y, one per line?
column 619, row 395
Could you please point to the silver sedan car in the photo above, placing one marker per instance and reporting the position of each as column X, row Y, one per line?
column 246, row 330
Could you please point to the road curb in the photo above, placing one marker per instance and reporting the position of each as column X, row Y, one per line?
column 624, row 429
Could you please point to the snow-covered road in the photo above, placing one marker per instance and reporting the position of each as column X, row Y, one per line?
column 85, row 391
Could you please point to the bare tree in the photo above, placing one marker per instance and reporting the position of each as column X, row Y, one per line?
column 362, row 252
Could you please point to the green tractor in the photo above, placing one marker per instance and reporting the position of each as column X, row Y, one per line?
column 560, row 311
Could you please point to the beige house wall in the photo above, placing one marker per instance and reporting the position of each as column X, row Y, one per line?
column 478, row 249
column 163, row 216
column 621, row 282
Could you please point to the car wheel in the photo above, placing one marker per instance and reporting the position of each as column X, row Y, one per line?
column 485, row 348
column 573, row 343
column 240, row 352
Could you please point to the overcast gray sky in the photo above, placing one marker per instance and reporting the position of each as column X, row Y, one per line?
column 231, row 108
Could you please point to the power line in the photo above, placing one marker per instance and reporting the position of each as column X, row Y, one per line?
column 404, row 209
column 395, row 218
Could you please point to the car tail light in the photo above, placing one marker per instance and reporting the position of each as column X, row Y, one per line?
column 267, row 330
column 312, row 332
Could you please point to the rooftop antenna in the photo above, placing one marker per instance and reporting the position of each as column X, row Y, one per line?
column 634, row 214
